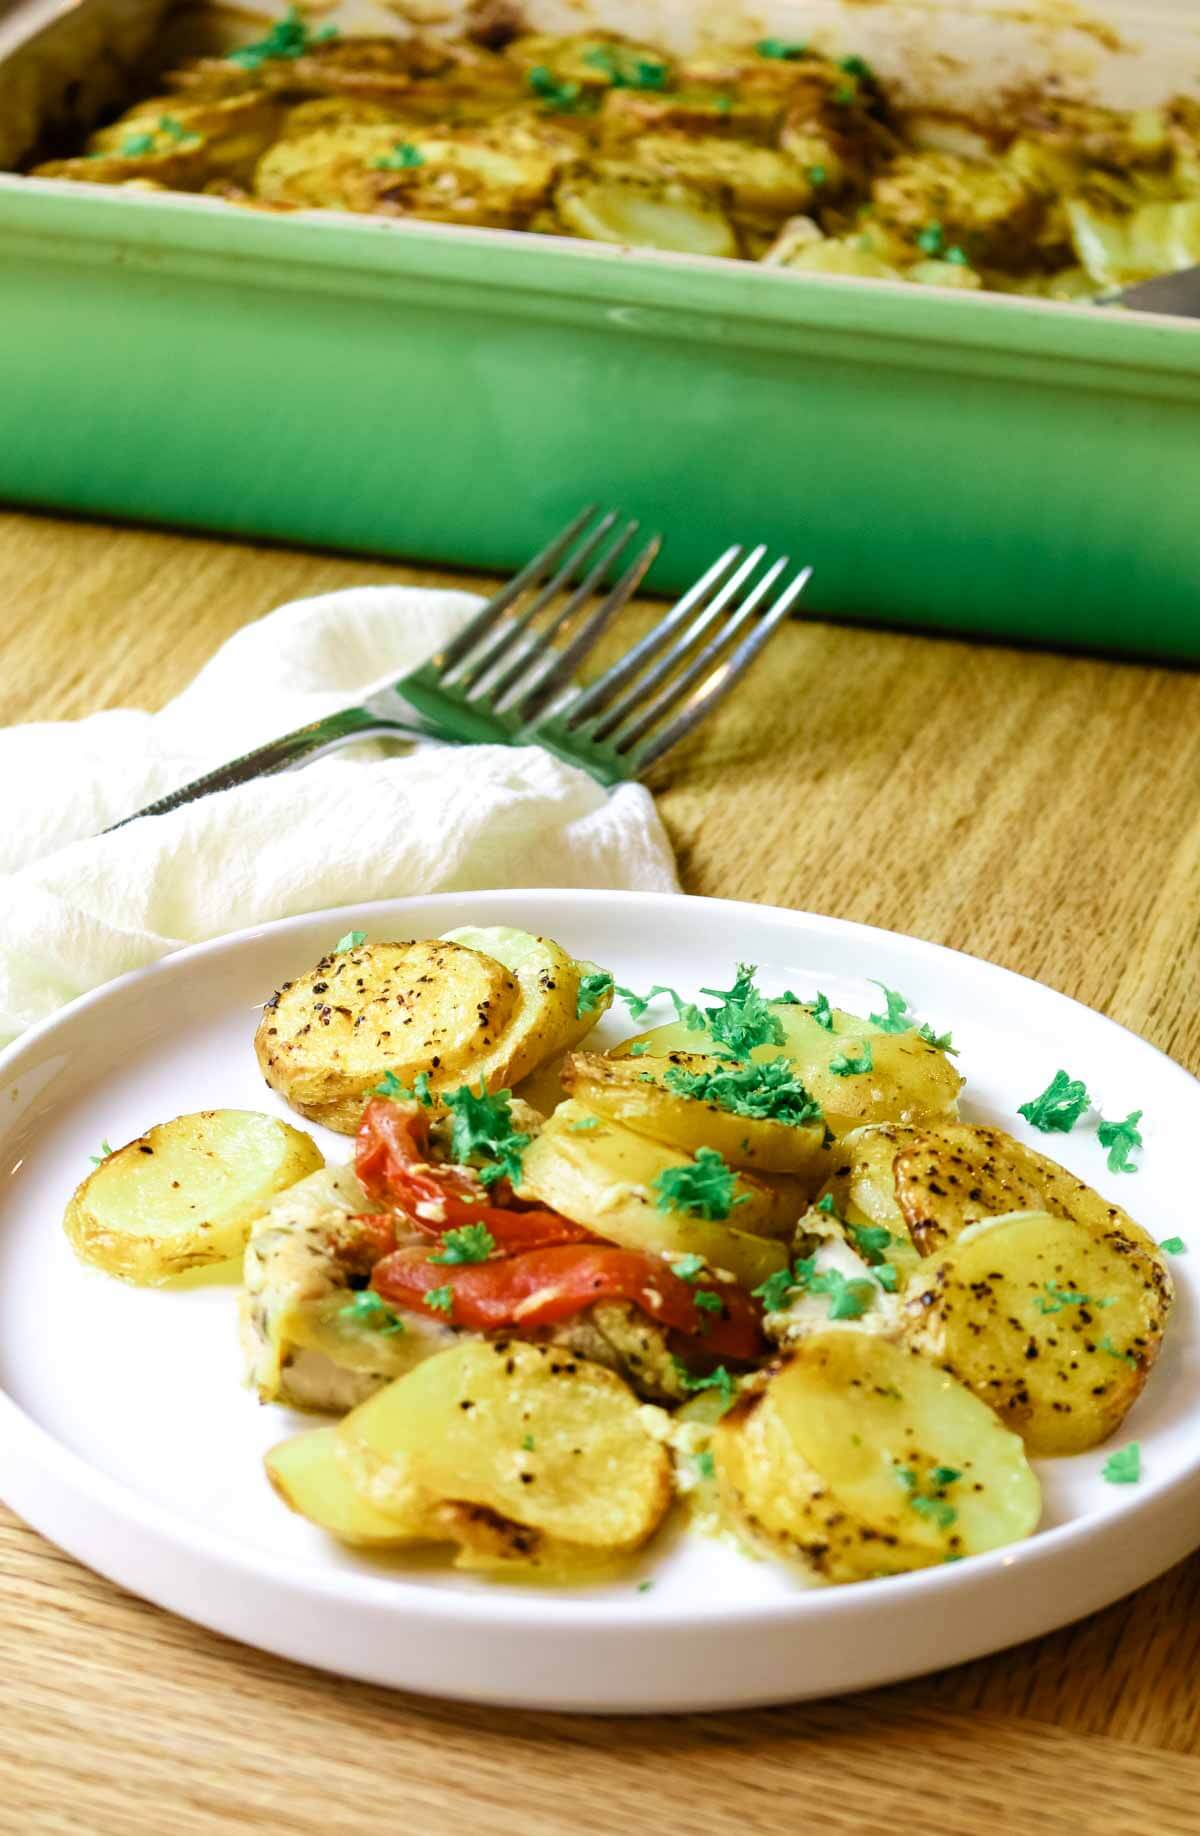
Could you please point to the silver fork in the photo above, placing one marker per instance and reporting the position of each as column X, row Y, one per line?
column 652, row 697
column 500, row 661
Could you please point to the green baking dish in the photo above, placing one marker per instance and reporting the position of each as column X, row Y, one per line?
column 977, row 463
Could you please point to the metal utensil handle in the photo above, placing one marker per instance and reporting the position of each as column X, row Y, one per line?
column 282, row 754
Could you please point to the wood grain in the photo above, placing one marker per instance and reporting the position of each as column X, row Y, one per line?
column 1036, row 809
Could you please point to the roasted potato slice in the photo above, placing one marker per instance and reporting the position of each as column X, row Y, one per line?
column 909, row 1080
column 184, row 1195
column 981, row 206
column 622, row 203
column 1053, row 1321
column 307, row 1338
column 959, row 1173
column 590, row 61
column 525, row 1444
column 478, row 1004
column 307, row 1475
column 733, row 174
column 598, row 1173
column 637, row 1093
column 859, row 1458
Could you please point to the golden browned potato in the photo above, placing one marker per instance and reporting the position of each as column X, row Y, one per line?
column 957, row 1173
column 178, row 141
column 308, row 1477
column 982, row 207
column 185, row 1194
column 619, row 201
column 602, row 1175
column 735, row 174
column 690, row 1101
column 490, row 1004
column 1052, row 1321
column 525, row 1451
column 859, row 1458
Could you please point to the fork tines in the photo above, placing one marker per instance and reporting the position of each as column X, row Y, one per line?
column 506, row 661
column 661, row 689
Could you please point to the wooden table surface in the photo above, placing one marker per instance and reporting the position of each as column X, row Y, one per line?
column 1035, row 809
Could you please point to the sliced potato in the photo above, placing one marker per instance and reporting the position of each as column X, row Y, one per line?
column 602, row 1175
column 862, row 1185
column 909, row 1080
column 859, row 1458
column 491, row 1004
column 308, row 1477
column 527, row 1443
column 959, row 1172
column 1052, row 1321
column 304, row 1341
column 624, row 204
column 184, row 1195
column 634, row 1091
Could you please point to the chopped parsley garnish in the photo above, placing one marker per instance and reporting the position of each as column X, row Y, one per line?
column 958, row 256
column 686, row 1012
column 546, row 87
column 897, row 1018
column 930, row 1503
column 816, row 175
column 639, row 1049
column 744, row 1019
column 846, row 94
column 857, row 67
column 288, row 37
column 1125, row 1466
column 390, row 1086
column 932, row 239
column 482, row 1134
column 592, row 990
column 1059, row 1107
column 826, row 1205
column 105, row 1151
column 885, row 1274
column 469, row 1243
column 353, row 940
column 708, row 1301
column 848, row 1300
column 786, row 999
column 134, row 145
column 440, row 1299
column 625, row 69
column 643, row 1587
column 367, row 1309
column 822, row 1013
column 1114, row 1351
column 1120, row 1138
column 174, row 130
column 527, row 1444
column 404, row 157
column 716, row 1380
column 785, row 49
column 775, row 1291
column 705, row 1188
column 584, row 1123
column 766, row 1092
column 941, row 1042
column 870, row 1240
column 1057, row 1297
column 704, row 1464
column 1174, row 1246
column 688, row 1268
column 856, row 1063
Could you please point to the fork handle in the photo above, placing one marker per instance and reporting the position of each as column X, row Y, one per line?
column 283, row 754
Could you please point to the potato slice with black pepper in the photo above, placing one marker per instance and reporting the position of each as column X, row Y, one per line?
column 490, row 1004
column 185, row 1194
column 1052, row 1321
column 602, row 1175
column 519, row 1451
column 859, row 1458
column 638, row 1093
column 958, row 1173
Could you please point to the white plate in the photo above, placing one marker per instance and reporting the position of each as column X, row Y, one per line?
column 126, row 1437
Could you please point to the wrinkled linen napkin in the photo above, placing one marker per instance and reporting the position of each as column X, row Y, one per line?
column 375, row 821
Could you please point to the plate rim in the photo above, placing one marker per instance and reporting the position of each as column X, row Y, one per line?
column 495, row 1609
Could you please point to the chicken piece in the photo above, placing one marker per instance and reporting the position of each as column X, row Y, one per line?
column 622, row 1338
column 932, row 202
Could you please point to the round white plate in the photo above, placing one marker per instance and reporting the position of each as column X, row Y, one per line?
column 126, row 1437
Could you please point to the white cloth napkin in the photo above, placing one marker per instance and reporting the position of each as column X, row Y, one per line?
column 372, row 822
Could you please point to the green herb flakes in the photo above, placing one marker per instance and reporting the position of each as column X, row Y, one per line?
column 848, row 1300
column 870, row 1240
column 1120, row 1138
column 897, row 1019
column 706, row 1188
column 827, row 1205
column 105, row 1151
column 931, row 240
column 1059, row 1107
column 705, row 1465
column 482, row 1134
column 744, row 1019
column 391, row 1086
column 625, row 69
column 941, row 1042
column 1174, row 1246
column 469, row 1243
column 855, row 1063
column 639, row 1049
column 367, row 1309
column 771, row 1091
column 958, row 256
column 857, row 67
column 289, row 37
column 786, row 50
column 584, row 1124
column 719, row 1380
column 527, row 1444
column 404, row 157
column 353, row 940
column 592, row 990
column 775, row 1291
column 134, row 145
column 816, row 176
column 1057, row 1297
column 708, row 1302
column 931, row 1502
column 886, row 1275
column 440, row 1299
column 564, row 97
column 822, row 1013
column 643, row 1587
column 1125, row 1466
column 1114, row 1351
column 688, row 1268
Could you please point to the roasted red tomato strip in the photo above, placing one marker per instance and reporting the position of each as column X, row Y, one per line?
column 544, row 1286
column 392, row 1163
